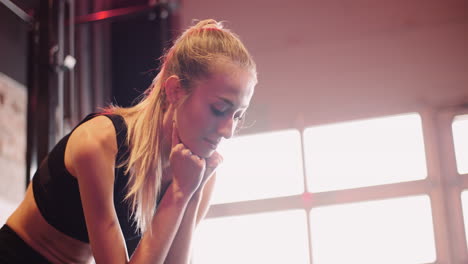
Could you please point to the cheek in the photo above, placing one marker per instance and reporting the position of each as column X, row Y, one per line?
column 194, row 120
column 203, row 121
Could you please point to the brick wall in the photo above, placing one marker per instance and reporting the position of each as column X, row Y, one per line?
column 13, row 102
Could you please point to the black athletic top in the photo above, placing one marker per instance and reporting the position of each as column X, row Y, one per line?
column 58, row 197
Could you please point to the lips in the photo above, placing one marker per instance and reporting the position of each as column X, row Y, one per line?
column 212, row 143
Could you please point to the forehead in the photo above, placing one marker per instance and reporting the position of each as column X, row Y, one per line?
column 228, row 81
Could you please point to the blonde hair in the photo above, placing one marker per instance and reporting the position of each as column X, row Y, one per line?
column 191, row 58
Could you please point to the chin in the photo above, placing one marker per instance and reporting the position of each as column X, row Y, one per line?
column 203, row 151
column 210, row 153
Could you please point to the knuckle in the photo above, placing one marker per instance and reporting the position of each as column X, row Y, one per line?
column 179, row 147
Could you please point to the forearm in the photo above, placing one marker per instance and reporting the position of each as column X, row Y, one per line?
column 155, row 245
column 180, row 250
column 195, row 212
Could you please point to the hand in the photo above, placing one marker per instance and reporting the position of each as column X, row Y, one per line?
column 187, row 169
column 211, row 164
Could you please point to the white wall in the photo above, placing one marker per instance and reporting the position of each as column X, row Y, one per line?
column 13, row 101
column 332, row 60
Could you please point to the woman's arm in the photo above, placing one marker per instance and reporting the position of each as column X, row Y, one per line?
column 91, row 156
column 197, row 208
column 92, row 153
column 106, row 238
column 155, row 245
column 178, row 207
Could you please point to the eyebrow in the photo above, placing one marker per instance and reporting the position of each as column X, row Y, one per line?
column 227, row 101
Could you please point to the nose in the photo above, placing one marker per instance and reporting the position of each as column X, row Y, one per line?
column 226, row 128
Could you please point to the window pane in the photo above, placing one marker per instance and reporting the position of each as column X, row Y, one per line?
column 273, row 238
column 365, row 153
column 6, row 209
column 387, row 231
column 460, row 140
column 260, row 166
column 464, row 197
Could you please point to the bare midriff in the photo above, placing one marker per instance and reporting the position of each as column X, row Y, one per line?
column 54, row 245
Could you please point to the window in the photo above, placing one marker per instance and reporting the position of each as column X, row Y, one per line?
column 388, row 231
column 369, row 195
column 255, row 238
column 260, row 166
column 464, row 197
column 365, row 153
column 460, row 140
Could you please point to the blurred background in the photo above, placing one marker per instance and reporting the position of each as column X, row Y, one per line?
column 355, row 147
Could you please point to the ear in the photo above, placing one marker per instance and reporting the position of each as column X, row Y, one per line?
column 174, row 90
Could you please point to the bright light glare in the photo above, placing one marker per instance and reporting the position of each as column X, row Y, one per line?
column 365, row 153
column 388, row 231
column 460, row 141
column 6, row 208
column 273, row 238
column 464, row 197
column 260, row 166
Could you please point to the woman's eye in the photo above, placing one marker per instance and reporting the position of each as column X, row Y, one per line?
column 217, row 112
column 220, row 113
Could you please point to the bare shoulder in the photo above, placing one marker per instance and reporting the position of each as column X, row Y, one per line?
column 91, row 142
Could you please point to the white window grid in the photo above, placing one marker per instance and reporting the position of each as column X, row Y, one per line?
column 443, row 185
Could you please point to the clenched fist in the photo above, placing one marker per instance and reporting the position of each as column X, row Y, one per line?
column 188, row 169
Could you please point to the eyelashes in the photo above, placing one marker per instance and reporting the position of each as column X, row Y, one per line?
column 216, row 112
column 240, row 117
column 219, row 113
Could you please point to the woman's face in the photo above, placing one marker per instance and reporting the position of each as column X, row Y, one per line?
column 214, row 107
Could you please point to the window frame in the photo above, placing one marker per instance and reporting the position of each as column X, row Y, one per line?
column 443, row 185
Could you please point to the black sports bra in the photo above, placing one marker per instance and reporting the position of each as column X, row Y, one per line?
column 58, row 198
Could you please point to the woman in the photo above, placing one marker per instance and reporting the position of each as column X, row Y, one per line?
column 145, row 172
